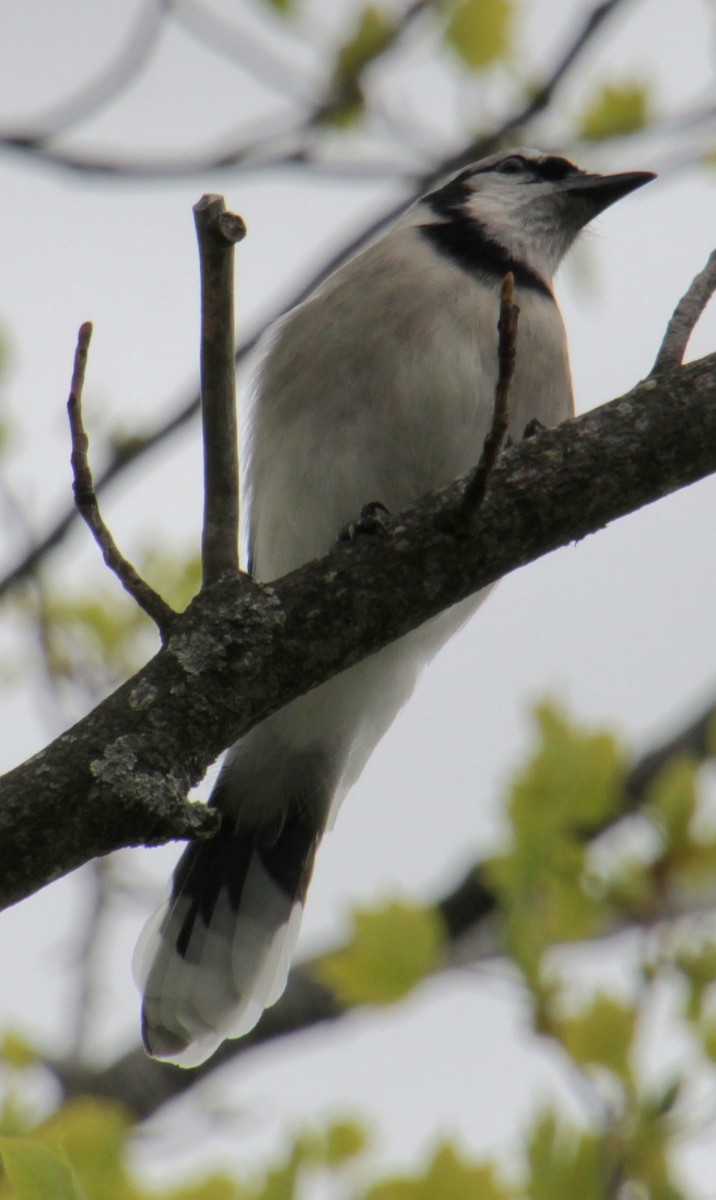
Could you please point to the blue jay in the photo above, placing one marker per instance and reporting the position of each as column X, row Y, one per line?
column 380, row 386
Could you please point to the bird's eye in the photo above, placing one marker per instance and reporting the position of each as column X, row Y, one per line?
column 514, row 165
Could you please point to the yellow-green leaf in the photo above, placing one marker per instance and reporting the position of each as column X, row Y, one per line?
column 36, row 1173
column 480, row 31
column 616, row 109
column 448, row 1177
column 602, row 1035
column 569, row 789
column 16, row 1051
column 344, row 1140
column 392, row 949
column 697, row 965
column 92, row 1135
column 373, row 35
column 566, row 1162
column 216, row 1187
column 672, row 800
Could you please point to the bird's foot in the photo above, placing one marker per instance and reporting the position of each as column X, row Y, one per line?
column 533, row 427
column 372, row 520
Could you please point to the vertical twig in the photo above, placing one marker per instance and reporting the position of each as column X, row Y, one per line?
column 506, row 358
column 217, row 231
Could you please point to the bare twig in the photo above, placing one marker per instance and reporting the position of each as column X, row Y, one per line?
column 686, row 314
column 506, row 357
column 217, row 232
column 85, row 499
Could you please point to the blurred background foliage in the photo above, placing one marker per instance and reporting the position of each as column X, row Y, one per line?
column 581, row 863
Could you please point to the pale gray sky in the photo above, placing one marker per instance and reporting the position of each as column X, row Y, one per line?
column 620, row 627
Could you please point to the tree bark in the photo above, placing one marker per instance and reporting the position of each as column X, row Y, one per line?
column 242, row 650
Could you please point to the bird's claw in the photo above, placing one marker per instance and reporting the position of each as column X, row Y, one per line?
column 372, row 520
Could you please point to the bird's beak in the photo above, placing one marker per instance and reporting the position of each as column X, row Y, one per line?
column 599, row 191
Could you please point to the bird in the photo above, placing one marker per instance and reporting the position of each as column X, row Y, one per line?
column 378, row 388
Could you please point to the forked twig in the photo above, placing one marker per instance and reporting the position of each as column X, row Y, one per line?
column 86, row 500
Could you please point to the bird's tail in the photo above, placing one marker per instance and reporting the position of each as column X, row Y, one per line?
column 217, row 952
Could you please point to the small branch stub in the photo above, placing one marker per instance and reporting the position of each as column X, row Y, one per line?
column 86, row 500
column 217, row 232
column 684, row 319
column 506, row 356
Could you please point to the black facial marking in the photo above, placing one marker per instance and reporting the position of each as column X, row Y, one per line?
column 465, row 241
column 555, row 168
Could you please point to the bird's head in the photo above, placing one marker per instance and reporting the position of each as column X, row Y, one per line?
column 529, row 203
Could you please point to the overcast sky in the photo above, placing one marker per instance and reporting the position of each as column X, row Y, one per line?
column 619, row 628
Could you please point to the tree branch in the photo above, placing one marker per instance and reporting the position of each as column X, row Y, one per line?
column 217, row 232
column 241, row 650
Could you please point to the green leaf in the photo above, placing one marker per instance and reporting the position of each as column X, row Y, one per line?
column 615, row 110
column 216, row 1187
column 672, row 800
column 569, row 789
column 372, row 36
column 344, row 1140
column 448, row 1177
column 92, row 1135
column 697, row 964
column 16, row 1052
column 687, row 860
column 602, row 1035
column 36, row 1173
column 480, row 31
column 566, row 1162
column 392, row 949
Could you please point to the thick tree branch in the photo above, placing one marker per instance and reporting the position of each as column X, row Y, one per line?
column 120, row 776
column 217, row 232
